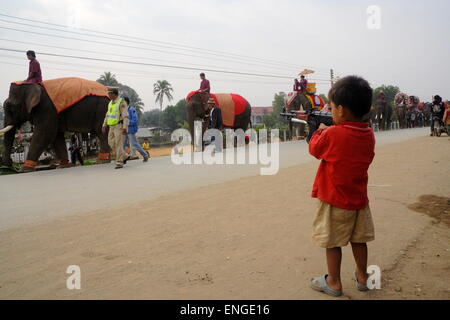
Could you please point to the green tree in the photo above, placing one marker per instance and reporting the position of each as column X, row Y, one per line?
column 108, row 79
column 161, row 89
column 389, row 91
column 150, row 119
column 274, row 120
column 135, row 100
column 174, row 117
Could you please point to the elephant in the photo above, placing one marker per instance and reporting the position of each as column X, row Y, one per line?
column 401, row 101
column 30, row 102
column 196, row 110
column 295, row 105
column 384, row 114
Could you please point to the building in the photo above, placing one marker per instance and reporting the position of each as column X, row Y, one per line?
column 258, row 114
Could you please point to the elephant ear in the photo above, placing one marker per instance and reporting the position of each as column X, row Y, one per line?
column 32, row 96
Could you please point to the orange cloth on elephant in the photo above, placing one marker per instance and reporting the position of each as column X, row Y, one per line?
column 65, row 92
column 230, row 104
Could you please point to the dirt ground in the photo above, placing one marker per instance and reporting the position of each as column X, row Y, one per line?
column 245, row 239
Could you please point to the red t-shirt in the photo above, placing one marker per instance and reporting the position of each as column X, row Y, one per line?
column 346, row 151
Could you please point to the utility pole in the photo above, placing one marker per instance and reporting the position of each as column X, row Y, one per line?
column 332, row 77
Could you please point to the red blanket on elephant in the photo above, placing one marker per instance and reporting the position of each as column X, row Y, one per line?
column 230, row 104
column 66, row 92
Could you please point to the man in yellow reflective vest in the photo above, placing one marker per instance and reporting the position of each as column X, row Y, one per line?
column 117, row 121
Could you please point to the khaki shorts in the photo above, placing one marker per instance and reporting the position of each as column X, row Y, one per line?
column 335, row 228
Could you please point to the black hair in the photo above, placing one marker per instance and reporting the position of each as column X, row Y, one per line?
column 354, row 94
column 202, row 75
column 31, row 53
column 438, row 99
column 127, row 100
column 114, row 91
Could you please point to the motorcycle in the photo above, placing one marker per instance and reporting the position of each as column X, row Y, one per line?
column 439, row 127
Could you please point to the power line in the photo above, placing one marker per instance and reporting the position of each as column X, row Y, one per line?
column 162, row 42
column 95, row 52
column 146, row 76
column 123, row 45
column 155, row 65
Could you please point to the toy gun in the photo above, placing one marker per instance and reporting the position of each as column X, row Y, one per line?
column 312, row 118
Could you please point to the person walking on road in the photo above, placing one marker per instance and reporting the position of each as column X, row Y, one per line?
column 117, row 120
column 75, row 150
column 132, row 130
column 215, row 121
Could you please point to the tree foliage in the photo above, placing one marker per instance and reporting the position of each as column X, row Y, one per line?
column 108, row 79
column 162, row 89
column 173, row 117
column 274, row 120
column 390, row 92
column 150, row 119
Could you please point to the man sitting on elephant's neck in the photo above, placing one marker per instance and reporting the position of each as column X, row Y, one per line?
column 205, row 86
column 35, row 73
column 303, row 84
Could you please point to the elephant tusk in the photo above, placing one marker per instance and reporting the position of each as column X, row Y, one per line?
column 5, row 130
column 299, row 121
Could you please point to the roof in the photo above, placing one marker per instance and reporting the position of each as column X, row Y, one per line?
column 144, row 133
column 262, row 111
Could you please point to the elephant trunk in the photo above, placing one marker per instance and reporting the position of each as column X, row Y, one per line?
column 190, row 120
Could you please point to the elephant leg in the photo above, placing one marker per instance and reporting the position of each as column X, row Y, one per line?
column 8, row 144
column 379, row 120
column 61, row 150
column 104, row 155
column 43, row 136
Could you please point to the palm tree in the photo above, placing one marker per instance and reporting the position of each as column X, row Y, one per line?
column 162, row 89
column 108, row 79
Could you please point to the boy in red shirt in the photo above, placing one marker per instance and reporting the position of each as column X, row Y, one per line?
column 346, row 149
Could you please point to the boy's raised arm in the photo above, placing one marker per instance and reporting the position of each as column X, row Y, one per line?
column 318, row 145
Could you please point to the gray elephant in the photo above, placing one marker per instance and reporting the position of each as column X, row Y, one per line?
column 236, row 111
column 384, row 112
column 295, row 105
column 31, row 102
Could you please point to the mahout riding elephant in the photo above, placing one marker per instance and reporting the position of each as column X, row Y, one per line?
column 236, row 111
column 31, row 102
column 309, row 102
column 401, row 101
column 412, row 112
column 384, row 112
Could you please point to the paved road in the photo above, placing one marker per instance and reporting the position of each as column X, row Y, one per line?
column 42, row 196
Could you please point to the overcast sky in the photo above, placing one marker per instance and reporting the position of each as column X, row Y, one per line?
column 411, row 49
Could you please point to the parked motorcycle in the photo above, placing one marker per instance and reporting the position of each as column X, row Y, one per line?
column 439, row 127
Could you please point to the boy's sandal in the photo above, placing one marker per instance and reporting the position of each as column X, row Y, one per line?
column 361, row 287
column 320, row 284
